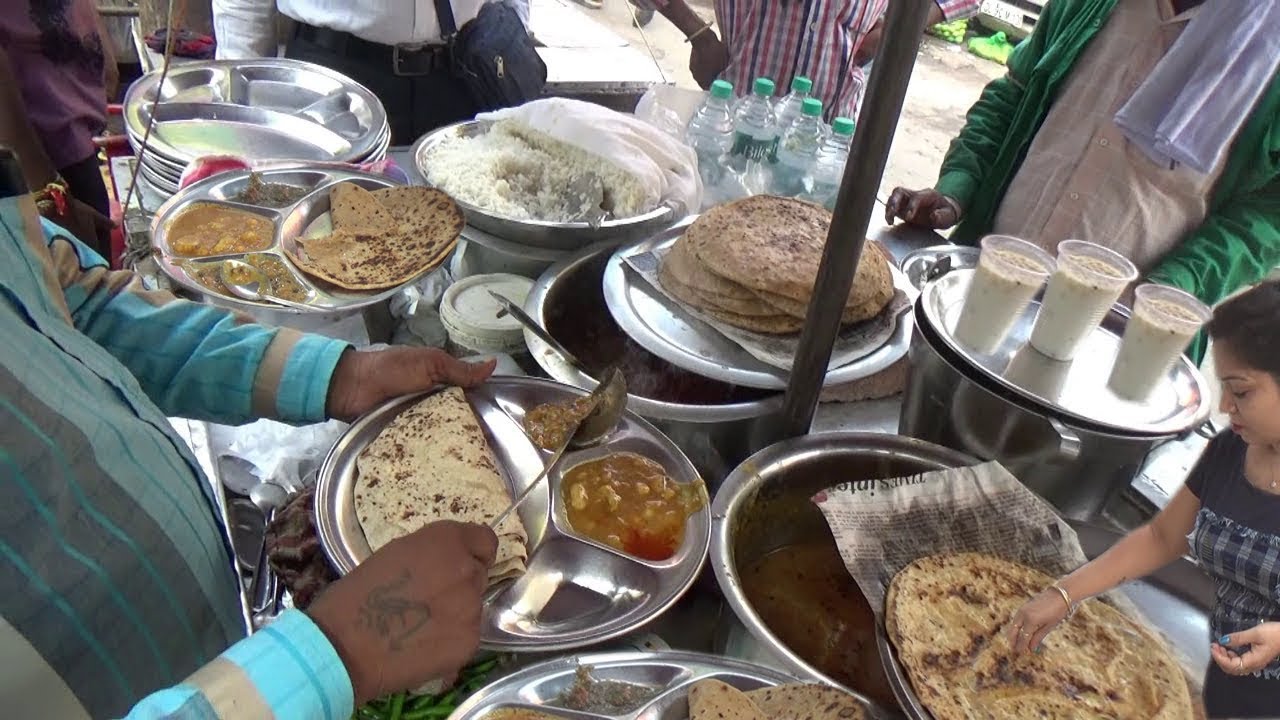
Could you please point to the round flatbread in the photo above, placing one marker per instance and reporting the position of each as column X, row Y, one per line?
column 774, row 245
column 946, row 615
column 674, row 276
column 716, row 700
column 432, row 462
column 351, row 207
column 807, row 701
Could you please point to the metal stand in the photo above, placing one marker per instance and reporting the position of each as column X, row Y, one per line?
column 904, row 27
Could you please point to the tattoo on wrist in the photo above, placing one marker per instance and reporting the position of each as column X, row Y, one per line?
column 395, row 617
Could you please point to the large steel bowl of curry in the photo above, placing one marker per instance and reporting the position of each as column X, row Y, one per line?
column 795, row 607
column 716, row 424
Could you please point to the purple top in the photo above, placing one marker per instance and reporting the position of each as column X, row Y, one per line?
column 56, row 54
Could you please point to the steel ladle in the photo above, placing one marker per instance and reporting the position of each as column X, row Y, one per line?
column 608, row 401
column 268, row 497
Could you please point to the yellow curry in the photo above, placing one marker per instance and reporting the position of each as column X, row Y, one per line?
column 629, row 503
column 280, row 281
column 549, row 426
column 205, row 229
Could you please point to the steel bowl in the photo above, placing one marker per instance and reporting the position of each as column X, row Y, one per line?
column 765, row 505
column 714, row 423
column 538, row 233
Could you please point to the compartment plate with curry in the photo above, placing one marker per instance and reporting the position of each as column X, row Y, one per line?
column 570, row 576
column 331, row 239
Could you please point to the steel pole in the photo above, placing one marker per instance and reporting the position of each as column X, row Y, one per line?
column 904, row 26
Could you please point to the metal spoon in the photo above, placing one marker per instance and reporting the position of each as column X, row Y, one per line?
column 250, row 283
column 514, row 310
column 608, row 401
column 590, row 189
column 268, row 497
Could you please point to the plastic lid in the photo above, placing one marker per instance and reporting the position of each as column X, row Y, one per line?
column 470, row 313
column 801, row 84
column 842, row 126
column 811, row 107
column 722, row 89
column 764, row 87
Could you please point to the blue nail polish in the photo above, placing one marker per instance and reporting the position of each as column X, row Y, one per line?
column 1224, row 640
column 1038, row 649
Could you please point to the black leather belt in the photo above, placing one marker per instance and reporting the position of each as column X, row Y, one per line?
column 405, row 60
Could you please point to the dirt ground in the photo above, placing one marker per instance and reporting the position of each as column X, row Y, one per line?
column 945, row 82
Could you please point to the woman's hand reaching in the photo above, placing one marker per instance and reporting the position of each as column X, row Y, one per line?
column 1263, row 643
column 1035, row 620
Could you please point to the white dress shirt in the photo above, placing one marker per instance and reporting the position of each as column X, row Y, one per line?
column 246, row 28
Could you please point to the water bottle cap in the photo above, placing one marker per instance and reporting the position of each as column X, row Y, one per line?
column 811, row 107
column 764, row 87
column 842, row 126
column 801, row 84
column 721, row 89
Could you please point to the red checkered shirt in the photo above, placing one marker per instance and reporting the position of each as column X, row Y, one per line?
column 818, row 39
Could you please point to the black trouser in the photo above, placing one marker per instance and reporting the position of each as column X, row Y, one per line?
column 415, row 104
column 84, row 181
column 1232, row 696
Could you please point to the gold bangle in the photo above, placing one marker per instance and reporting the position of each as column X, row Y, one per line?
column 1066, row 598
column 693, row 35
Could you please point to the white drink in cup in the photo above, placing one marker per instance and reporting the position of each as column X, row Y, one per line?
column 1087, row 282
column 1164, row 321
column 1009, row 273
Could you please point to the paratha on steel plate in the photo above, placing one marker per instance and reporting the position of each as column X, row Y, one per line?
column 946, row 616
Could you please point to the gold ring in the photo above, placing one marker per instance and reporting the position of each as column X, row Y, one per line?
column 1023, row 633
column 1240, row 664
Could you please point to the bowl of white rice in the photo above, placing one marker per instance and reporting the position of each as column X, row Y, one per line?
column 515, row 183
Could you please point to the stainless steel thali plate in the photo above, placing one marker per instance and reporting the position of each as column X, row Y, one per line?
column 667, row 675
column 269, row 108
column 671, row 332
column 307, row 216
column 536, row 233
column 1076, row 388
column 575, row 592
column 1176, row 600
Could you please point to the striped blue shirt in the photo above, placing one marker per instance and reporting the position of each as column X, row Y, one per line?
column 119, row 577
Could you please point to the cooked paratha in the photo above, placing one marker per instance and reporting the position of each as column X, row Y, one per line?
column 774, row 245
column 775, row 324
column 432, row 462
column 676, row 279
column 715, row 700
column 807, row 701
column 352, row 207
column 946, row 616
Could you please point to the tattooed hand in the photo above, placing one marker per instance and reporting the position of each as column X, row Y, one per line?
column 411, row 612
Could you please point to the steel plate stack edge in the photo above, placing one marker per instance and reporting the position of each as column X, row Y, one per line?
column 263, row 109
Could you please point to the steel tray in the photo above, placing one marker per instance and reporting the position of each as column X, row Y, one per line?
column 669, row 331
column 538, row 687
column 268, row 108
column 1176, row 599
column 307, row 216
column 576, row 591
column 537, row 233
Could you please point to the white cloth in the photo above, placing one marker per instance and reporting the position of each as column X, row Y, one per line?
column 245, row 28
column 665, row 166
column 1202, row 92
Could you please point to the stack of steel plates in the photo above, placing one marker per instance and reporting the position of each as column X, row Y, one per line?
column 265, row 109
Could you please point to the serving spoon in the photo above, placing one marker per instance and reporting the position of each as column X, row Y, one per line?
column 247, row 282
column 522, row 317
column 608, row 401
column 590, row 188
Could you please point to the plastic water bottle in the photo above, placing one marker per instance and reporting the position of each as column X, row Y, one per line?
column 710, row 133
column 789, row 107
column 828, row 168
column 798, row 150
column 755, row 137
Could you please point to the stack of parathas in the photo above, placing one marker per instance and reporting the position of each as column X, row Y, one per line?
column 433, row 463
column 752, row 264
column 381, row 239
column 716, row 700
column 946, row 616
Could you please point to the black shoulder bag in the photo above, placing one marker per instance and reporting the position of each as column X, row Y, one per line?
column 494, row 56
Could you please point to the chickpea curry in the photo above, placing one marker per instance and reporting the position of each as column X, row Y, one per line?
column 551, row 425
column 205, row 229
column 629, row 503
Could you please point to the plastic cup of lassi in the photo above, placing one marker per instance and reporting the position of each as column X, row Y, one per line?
column 1009, row 273
column 1087, row 282
column 1164, row 321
